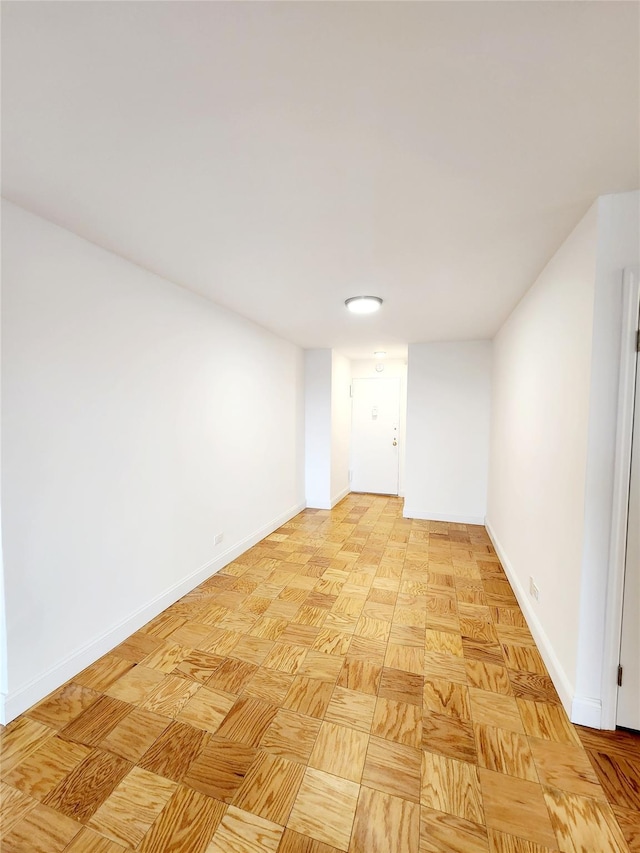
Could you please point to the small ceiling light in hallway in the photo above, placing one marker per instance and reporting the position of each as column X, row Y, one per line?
column 363, row 304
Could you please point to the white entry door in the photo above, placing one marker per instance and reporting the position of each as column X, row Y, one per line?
column 375, row 435
column 628, row 714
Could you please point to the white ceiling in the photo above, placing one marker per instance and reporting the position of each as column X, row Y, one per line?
column 280, row 157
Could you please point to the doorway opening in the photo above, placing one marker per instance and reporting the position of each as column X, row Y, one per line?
column 375, row 435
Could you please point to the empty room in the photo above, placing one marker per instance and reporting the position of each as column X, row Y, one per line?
column 320, row 427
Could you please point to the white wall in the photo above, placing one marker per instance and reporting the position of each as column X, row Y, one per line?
column 317, row 427
column 139, row 420
column 541, row 382
column 555, row 383
column 448, row 418
column 365, row 368
column 618, row 247
column 4, row 688
column 340, row 426
column 327, row 427
column 3, row 621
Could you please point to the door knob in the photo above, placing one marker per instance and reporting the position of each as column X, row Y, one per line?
column 395, row 443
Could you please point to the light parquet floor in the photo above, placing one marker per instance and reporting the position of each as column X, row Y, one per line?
column 356, row 682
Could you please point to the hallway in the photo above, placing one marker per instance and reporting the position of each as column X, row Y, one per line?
column 355, row 682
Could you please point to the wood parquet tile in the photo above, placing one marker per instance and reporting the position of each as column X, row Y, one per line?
column 360, row 674
column 291, row 736
column 186, row 824
column 351, row 708
column 620, row 778
column 14, row 805
column 451, row 786
column 567, row 768
column 96, row 722
column 60, row 708
column 488, row 676
column 309, row 696
column 128, row 813
column 340, row 750
column 393, row 768
column 247, row 721
column 445, row 665
column 445, row 833
column 501, row 842
column 207, row 709
column 398, row 721
column 243, row 832
column 133, row 736
column 384, row 822
column 43, row 830
column 446, row 697
column 134, row 686
column 20, row 739
column 137, row 647
column 84, row 790
column 41, row 771
column 88, row 841
column 325, row 808
column 103, row 672
column 547, row 721
column 270, row 787
column 581, row 823
column 505, row 751
column 619, row 742
column 356, row 682
column 173, row 751
column 516, row 807
column 629, row 823
column 449, row 736
column 495, row 710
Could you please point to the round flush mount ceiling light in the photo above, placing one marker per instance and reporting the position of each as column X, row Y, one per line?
column 363, row 304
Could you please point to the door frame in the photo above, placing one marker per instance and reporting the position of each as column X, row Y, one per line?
column 621, row 485
column 377, row 378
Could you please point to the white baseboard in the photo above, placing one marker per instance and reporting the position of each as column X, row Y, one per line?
column 561, row 681
column 586, row 712
column 317, row 502
column 324, row 503
column 420, row 514
column 14, row 703
column 341, row 496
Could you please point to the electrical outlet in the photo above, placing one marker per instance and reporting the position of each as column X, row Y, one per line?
column 534, row 592
column 218, row 539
